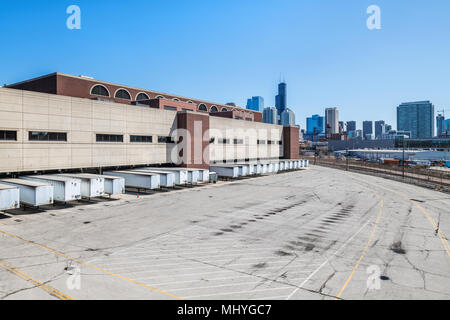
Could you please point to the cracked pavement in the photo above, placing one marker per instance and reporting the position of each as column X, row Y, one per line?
column 296, row 235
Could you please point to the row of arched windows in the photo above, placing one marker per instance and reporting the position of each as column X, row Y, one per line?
column 100, row 90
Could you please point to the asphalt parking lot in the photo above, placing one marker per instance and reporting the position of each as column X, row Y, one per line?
column 315, row 234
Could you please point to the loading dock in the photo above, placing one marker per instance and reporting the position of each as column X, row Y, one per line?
column 92, row 185
column 65, row 189
column 203, row 175
column 9, row 197
column 32, row 193
column 138, row 179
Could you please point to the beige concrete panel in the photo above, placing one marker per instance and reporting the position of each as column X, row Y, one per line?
column 10, row 120
column 35, row 122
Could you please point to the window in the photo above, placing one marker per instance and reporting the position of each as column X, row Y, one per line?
column 123, row 94
column 212, row 140
column 186, row 109
column 8, row 135
column 142, row 96
column 214, row 109
column 280, row 142
column 224, row 109
column 224, row 141
column 141, row 139
column 159, row 97
column 248, row 119
column 47, row 136
column 109, row 138
column 190, row 102
column 170, row 108
column 175, row 99
column 238, row 141
column 261, row 142
column 202, row 107
column 272, row 142
column 165, row 140
column 100, row 90
column 238, row 118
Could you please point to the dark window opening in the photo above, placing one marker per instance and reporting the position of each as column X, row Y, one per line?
column 170, row 108
column 202, row 107
column 214, row 109
column 141, row 139
column 248, row 119
column 165, row 140
column 123, row 94
column 109, row 138
column 238, row 141
column 47, row 136
column 212, row 140
column 261, row 142
column 99, row 90
column 8, row 135
column 142, row 96
column 224, row 141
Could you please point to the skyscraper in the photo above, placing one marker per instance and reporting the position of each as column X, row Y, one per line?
column 351, row 126
column 281, row 99
column 417, row 118
column 315, row 125
column 255, row 103
column 367, row 128
column 270, row 115
column 379, row 129
column 288, row 118
column 332, row 120
column 440, row 125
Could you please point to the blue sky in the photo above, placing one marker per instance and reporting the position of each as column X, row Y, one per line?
column 228, row 51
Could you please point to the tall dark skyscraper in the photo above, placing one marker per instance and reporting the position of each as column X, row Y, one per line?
column 351, row 126
column 367, row 128
column 281, row 99
column 379, row 129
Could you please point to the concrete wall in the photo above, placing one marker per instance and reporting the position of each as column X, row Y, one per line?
column 249, row 132
column 82, row 119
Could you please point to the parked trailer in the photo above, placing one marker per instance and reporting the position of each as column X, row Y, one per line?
column 226, row 171
column 92, row 185
column 140, row 180
column 114, row 185
column 243, row 170
column 65, row 188
column 9, row 197
column 32, row 193
column 167, row 178
column 181, row 175
column 203, row 175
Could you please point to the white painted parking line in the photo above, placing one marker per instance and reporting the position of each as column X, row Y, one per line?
column 236, row 293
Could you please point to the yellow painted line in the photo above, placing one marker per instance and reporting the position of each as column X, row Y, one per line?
column 422, row 209
column 52, row 291
column 365, row 249
column 88, row 265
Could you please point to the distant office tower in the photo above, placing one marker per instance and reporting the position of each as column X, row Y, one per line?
column 367, row 128
column 387, row 128
column 255, row 103
column 341, row 127
column 351, row 126
column 379, row 129
column 440, row 125
column 281, row 99
column 332, row 120
column 270, row 115
column 447, row 127
column 288, row 118
column 417, row 118
column 315, row 125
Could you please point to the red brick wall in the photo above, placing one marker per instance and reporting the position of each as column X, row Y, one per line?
column 196, row 124
column 291, row 137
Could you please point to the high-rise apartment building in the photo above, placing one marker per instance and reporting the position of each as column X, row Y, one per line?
column 270, row 115
column 332, row 120
column 288, row 118
column 255, row 103
column 417, row 118
column 315, row 125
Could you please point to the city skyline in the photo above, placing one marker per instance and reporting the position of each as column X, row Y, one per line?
column 330, row 58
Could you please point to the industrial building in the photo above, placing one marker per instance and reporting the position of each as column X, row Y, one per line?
column 64, row 122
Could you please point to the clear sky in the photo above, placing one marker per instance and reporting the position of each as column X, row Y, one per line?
column 229, row 50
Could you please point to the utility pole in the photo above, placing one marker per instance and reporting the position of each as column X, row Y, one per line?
column 403, row 162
